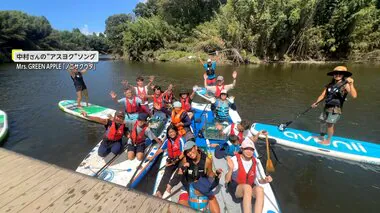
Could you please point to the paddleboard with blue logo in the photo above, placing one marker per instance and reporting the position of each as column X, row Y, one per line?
column 343, row 148
column 3, row 125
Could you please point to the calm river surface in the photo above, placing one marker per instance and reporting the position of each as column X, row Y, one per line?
column 264, row 93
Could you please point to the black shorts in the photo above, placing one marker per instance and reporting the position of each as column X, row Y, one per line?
column 80, row 88
column 136, row 148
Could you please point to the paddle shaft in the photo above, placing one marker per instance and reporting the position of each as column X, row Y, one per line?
column 110, row 161
column 138, row 167
column 308, row 109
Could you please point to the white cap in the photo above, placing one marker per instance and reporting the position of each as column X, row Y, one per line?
column 247, row 144
column 209, row 60
column 224, row 91
column 177, row 104
column 219, row 78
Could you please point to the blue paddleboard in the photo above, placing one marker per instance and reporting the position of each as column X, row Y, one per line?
column 344, row 148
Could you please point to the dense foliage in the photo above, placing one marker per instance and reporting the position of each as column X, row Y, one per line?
column 269, row 30
column 21, row 31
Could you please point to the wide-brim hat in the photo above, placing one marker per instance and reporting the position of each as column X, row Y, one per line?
column 220, row 152
column 341, row 70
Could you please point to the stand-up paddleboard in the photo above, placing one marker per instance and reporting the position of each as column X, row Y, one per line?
column 70, row 106
column 122, row 170
column 3, row 125
column 344, row 148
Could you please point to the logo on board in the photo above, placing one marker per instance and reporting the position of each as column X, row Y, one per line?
column 352, row 146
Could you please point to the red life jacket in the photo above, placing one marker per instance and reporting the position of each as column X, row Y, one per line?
column 174, row 150
column 186, row 103
column 232, row 132
column 218, row 90
column 158, row 102
column 242, row 177
column 138, row 138
column 168, row 98
column 114, row 134
column 141, row 94
column 131, row 108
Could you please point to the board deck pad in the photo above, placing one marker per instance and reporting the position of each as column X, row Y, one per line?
column 121, row 170
column 339, row 147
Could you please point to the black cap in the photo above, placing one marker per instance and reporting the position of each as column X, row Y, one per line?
column 142, row 117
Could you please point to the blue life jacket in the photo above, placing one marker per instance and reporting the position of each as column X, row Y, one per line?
column 197, row 202
column 222, row 110
column 231, row 148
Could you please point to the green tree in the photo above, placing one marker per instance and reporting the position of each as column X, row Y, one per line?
column 116, row 25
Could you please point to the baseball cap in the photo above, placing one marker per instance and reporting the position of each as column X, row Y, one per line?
column 177, row 104
column 220, row 78
column 247, row 144
column 189, row 145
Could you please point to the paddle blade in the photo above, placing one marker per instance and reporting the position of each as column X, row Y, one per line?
column 269, row 166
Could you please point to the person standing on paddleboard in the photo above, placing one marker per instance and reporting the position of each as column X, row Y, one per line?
column 115, row 130
column 80, row 86
column 210, row 67
column 335, row 94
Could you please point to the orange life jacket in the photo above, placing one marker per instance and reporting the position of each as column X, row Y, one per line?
column 176, row 118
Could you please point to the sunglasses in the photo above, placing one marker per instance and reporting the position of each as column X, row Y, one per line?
column 249, row 148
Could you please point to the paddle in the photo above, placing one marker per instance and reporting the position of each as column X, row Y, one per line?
column 173, row 193
column 138, row 167
column 269, row 165
column 283, row 126
column 109, row 162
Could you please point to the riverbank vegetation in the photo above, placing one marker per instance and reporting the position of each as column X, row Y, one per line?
column 268, row 30
column 19, row 30
column 240, row 30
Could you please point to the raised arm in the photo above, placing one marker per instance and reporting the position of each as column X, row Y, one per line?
column 85, row 70
column 126, row 85
column 96, row 119
column 69, row 70
column 216, row 56
column 351, row 88
column 151, row 79
column 192, row 95
column 170, row 87
column 205, row 80
column 200, row 60
column 114, row 96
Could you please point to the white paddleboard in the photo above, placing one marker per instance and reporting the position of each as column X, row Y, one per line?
column 3, row 125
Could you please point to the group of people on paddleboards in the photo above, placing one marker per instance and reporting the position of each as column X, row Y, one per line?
column 187, row 163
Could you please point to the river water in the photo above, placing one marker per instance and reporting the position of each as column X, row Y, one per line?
column 264, row 93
